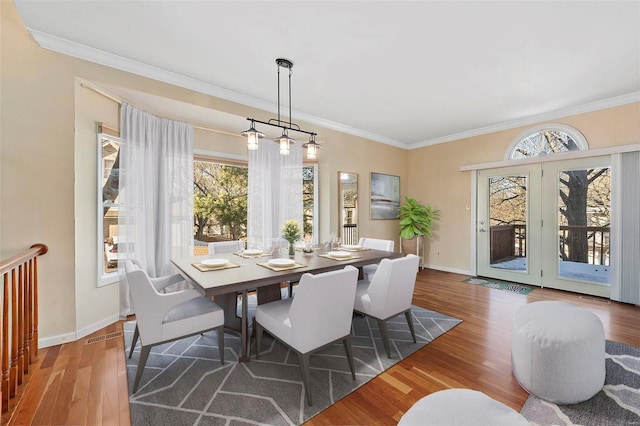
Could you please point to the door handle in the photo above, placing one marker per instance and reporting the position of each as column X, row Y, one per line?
column 482, row 230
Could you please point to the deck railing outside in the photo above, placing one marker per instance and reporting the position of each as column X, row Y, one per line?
column 19, row 339
column 350, row 233
column 509, row 241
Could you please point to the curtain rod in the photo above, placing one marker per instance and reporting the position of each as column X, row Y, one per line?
column 119, row 101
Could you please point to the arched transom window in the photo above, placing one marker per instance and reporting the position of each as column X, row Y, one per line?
column 546, row 139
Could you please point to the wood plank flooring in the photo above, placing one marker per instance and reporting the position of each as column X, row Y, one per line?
column 85, row 383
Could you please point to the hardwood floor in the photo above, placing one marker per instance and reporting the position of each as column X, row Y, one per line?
column 84, row 382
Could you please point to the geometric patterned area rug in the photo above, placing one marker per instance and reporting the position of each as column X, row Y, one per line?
column 618, row 403
column 499, row 285
column 185, row 384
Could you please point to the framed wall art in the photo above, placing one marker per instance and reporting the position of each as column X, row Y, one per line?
column 385, row 196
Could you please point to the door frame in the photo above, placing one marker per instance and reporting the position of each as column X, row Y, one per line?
column 532, row 274
column 551, row 277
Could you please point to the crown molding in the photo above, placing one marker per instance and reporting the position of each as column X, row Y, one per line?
column 87, row 53
column 81, row 51
column 533, row 119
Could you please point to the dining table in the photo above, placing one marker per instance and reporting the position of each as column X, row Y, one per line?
column 243, row 273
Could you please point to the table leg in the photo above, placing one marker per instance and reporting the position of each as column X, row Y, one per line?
column 244, row 356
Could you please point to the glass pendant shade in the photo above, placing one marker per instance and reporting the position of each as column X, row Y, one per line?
column 284, row 142
column 312, row 148
column 253, row 137
column 312, row 152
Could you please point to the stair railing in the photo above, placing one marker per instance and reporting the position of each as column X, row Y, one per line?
column 19, row 338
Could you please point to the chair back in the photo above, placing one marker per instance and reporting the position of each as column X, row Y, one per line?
column 391, row 288
column 224, row 247
column 376, row 244
column 322, row 308
column 144, row 296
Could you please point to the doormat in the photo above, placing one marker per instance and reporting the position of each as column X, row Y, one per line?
column 499, row 285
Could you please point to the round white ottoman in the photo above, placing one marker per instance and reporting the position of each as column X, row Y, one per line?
column 557, row 351
column 461, row 407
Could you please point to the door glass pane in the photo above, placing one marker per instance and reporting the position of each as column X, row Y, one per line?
column 508, row 222
column 584, row 218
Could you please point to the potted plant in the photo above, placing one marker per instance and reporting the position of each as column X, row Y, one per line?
column 291, row 233
column 416, row 220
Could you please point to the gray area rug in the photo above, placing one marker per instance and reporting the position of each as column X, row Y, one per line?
column 618, row 403
column 185, row 384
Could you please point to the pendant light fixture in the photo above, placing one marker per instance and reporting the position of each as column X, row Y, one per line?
column 285, row 141
column 253, row 137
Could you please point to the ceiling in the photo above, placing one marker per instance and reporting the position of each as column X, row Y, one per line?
column 406, row 73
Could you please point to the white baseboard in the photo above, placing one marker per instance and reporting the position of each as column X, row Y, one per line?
column 447, row 269
column 46, row 342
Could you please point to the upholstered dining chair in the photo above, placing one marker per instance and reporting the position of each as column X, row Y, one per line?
column 320, row 314
column 163, row 318
column 375, row 244
column 225, row 246
column 389, row 293
column 160, row 284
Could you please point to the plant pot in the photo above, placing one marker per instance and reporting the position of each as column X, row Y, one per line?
column 415, row 246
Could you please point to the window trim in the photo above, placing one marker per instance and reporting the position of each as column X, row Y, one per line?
column 575, row 134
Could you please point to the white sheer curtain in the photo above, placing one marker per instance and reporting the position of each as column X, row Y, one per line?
column 625, row 228
column 155, row 220
column 275, row 191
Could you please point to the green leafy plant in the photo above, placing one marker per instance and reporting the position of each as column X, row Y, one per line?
column 416, row 219
column 291, row 231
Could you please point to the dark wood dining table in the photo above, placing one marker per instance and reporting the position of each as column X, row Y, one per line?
column 224, row 284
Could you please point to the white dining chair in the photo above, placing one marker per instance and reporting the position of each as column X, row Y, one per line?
column 389, row 293
column 375, row 244
column 219, row 247
column 162, row 318
column 320, row 314
column 160, row 284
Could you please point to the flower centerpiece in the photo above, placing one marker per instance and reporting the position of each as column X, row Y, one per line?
column 291, row 233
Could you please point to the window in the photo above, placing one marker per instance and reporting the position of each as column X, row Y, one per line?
column 220, row 202
column 546, row 139
column 108, row 186
column 310, row 201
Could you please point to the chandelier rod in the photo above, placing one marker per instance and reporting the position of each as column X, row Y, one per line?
column 290, row 72
column 291, row 126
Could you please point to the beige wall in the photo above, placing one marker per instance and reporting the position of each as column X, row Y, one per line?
column 94, row 306
column 37, row 174
column 435, row 176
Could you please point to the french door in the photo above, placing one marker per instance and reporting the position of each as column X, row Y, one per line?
column 546, row 224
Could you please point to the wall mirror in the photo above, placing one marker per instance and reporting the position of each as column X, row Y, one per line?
column 348, row 205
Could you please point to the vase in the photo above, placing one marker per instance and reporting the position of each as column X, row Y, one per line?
column 292, row 250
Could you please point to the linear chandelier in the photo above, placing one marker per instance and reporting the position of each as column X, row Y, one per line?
column 254, row 136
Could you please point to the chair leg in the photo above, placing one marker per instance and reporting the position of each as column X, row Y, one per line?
column 347, row 348
column 136, row 333
column 304, row 368
column 259, row 331
column 409, row 318
column 221, row 343
column 144, row 354
column 382, row 325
